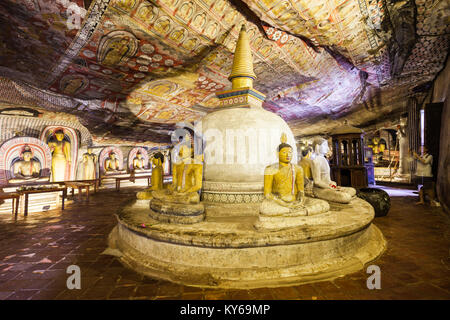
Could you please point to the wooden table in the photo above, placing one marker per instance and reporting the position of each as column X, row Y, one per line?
column 15, row 197
column 26, row 193
column 80, row 186
column 94, row 182
column 135, row 178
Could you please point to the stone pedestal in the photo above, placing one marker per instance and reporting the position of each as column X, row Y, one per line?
column 228, row 252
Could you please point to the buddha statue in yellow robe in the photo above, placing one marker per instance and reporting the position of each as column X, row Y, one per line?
column 61, row 157
column 283, row 184
column 111, row 163
column 156, row 179
column 138, row 162
column 306, row 164
column 187, row 176
column 285, row 204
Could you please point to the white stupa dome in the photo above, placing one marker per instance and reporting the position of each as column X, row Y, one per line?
column 238, row 144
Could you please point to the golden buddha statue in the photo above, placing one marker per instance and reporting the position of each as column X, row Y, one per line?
column 285, row 204
column 306, row 164
column 61, row 156
column 283, row 183
column 111, row 163
column 138, row 162
column 89, row 161
column 26, row 169
column 156, row 179
column 187, row 176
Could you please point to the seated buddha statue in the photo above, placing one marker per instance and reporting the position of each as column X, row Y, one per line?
column 111, row 163
column 138, row 162
column 187, row 176
column 306, row 164
column 27, row 169
column 284, row 188
column 156, row 179
column 324, row 187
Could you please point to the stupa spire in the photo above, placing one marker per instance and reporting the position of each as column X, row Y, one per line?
column 242, row 74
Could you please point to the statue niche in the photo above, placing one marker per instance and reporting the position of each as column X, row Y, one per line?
column 112, row 164
column 138, row 162
column 89, row 163
column 27, row 169
column 61, row 156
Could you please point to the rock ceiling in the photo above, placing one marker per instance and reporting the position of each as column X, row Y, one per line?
column 131, row 69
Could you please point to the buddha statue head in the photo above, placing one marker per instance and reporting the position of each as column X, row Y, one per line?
column 139, row 155
column 284, row 150
column 27, row 154
column 158, row 159
column 112, row 156
column 89, row 150
column 320, row 146
column 59, row 135
column 306, row 152
column 184, row 153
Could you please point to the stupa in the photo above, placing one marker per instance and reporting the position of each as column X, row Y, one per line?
column 234, row 245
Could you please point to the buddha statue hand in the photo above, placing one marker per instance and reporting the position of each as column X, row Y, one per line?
column 301, row 198
column 333, row 185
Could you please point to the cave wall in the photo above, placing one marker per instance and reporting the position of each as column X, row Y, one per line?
column 441, row 93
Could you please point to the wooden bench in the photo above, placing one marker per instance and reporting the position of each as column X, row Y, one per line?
column 80, row 186
column 15, row 199
column 119, row 179
column 26, row 193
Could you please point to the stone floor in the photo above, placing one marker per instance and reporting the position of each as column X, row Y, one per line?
column 36, row 251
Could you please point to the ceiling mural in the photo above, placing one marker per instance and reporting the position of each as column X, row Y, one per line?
column 148, row 64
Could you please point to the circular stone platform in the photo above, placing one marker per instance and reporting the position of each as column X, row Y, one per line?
column 228, row 252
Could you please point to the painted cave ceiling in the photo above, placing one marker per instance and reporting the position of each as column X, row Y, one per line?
column 132, row 69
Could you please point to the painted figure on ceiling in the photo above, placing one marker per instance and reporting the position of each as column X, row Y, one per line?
column 162, row 26
column 117, row 50
column 146, row 13
column 72, row 86
column 186, row 10
column 199, row 21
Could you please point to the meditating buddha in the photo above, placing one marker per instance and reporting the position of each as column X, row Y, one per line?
column 324, row 187
column 61, row 157
column 187, row 179
column 283, row 184
column 306, row 164
column 26, row 169
column 285, row 204
column 111, row 163
column 138, row 162
column 156, row 179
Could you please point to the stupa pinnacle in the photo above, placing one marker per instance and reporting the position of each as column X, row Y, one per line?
column 242, row 93
column 242, row 74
